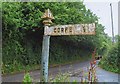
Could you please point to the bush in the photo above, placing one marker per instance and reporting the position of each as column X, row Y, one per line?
column 27, row 79
column 110, row 62
column 22, row 33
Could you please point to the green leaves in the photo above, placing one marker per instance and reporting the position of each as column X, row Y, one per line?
column 27, row 79
column 28, row 14
column 111, row 61
column 22, row 25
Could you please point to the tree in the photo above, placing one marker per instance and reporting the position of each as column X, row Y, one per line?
column 23, row 31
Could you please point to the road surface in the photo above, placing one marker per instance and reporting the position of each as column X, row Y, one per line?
column 74, row 69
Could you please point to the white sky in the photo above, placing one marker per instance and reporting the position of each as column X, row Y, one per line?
column 102, row 9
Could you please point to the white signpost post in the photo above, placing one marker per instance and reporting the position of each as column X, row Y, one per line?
column 76, row 29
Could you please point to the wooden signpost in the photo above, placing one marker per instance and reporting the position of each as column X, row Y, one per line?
column 76, row 29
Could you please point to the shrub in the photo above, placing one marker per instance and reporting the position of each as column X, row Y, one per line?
column 27, row 79
column 110, row 62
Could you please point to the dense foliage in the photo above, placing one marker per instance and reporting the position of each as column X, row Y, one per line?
column 111, row 60
column 23, row 31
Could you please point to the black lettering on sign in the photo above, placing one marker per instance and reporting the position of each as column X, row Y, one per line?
column 55, row 30
column 43, row 71
column 62, row 30
column 66, row 29
column 83, row 26
column 70, row 29
column 58, row 30
column 46, row 73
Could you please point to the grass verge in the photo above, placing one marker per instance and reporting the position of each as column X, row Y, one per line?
column 28, row 68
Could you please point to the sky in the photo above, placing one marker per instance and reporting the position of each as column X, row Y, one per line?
column 102, row 9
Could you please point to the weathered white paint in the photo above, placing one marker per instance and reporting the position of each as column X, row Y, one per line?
column 45, row 58
column 77, row 29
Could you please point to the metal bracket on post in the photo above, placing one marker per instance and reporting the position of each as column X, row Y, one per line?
column 45, row 47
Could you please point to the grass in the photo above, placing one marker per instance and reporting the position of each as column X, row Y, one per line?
column 59, row 78
column 19, row 68
column 63, row 62
column 108, row 67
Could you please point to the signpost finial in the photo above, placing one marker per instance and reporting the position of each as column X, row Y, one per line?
column 47, row 16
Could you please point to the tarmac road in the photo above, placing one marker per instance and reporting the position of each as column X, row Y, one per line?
column 74, row 69
column 52, row 72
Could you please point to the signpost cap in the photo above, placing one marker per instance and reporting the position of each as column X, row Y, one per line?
column 47, row 16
